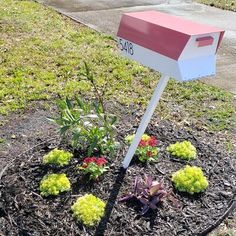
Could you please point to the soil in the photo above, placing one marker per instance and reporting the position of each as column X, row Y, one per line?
column 24, row 212
column 20, row 131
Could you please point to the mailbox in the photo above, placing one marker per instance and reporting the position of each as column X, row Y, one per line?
column 176, row 47
column 180, row 48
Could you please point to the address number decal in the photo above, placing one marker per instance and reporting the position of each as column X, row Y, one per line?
column 126, row 46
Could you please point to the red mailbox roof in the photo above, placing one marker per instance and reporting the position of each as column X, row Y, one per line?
column 160, row 32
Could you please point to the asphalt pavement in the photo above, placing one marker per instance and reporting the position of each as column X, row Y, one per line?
column 104, row 16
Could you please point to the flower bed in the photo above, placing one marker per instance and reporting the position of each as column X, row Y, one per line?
column 25, row 211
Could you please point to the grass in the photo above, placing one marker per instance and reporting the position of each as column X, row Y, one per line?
column 224, row 4
column 42, row 53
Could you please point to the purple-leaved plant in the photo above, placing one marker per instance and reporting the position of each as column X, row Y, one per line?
column 148, row 192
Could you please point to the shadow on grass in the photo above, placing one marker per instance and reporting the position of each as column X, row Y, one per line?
column 110, row 203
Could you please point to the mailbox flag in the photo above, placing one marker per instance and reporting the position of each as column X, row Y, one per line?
column 180, row 48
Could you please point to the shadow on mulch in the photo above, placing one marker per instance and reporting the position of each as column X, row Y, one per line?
column 111, row 202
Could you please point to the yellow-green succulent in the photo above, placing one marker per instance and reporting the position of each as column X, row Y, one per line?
column 129, row 138
column 53, row 184
column 183, row 150
column 57, row 157
column 190, row 179
column 88, row 209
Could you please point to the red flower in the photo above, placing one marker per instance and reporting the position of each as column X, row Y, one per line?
column 89, row 159
column 101, row 161
column 143, row 143
column 152, row 141
column 93, row 159
column 149, row 153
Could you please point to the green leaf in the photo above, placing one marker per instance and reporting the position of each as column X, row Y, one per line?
column 80, row 103
column 69, row 104
column 75, row 139
column 64, row 129
column 69, row 115
column 88, row 73
column 92, row 146
column 113, row 120
column 61, row 104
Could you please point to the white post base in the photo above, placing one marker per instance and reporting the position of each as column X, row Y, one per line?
column 146, row 119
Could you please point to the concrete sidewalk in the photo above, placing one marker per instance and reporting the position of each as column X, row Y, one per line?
column 104, row 16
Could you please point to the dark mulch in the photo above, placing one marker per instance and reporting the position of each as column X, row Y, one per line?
column 24, row 212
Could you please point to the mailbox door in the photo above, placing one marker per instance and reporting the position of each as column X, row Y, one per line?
column 200, row 46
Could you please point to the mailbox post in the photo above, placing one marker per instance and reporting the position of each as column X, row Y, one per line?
column 176, row 47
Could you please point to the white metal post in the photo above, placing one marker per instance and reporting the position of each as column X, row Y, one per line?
column 146, row 118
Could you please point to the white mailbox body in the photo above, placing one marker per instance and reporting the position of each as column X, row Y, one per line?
column 180, row 48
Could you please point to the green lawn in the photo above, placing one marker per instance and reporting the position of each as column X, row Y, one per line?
column 42, row 53
column 224, row 4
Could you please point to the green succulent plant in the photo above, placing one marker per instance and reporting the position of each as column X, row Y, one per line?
column 88, row 209
column 53, row 184
column 183, row 150
column 190, row 179
column 57, row 157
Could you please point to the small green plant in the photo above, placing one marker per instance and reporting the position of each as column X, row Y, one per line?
column 53, row 184
column 57, row 157
column 146, row 150
column 183, row 150
column 94, row 166
column 87, row 123
column 88, row 209
column 190, row 179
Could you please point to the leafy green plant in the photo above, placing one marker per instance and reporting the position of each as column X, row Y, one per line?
column 87, row 123
column 88, row 209
column 53, row 184
column 183, row 150
column 94, row 166
column 57, row 157
column 190, row 179
column 146, row 150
